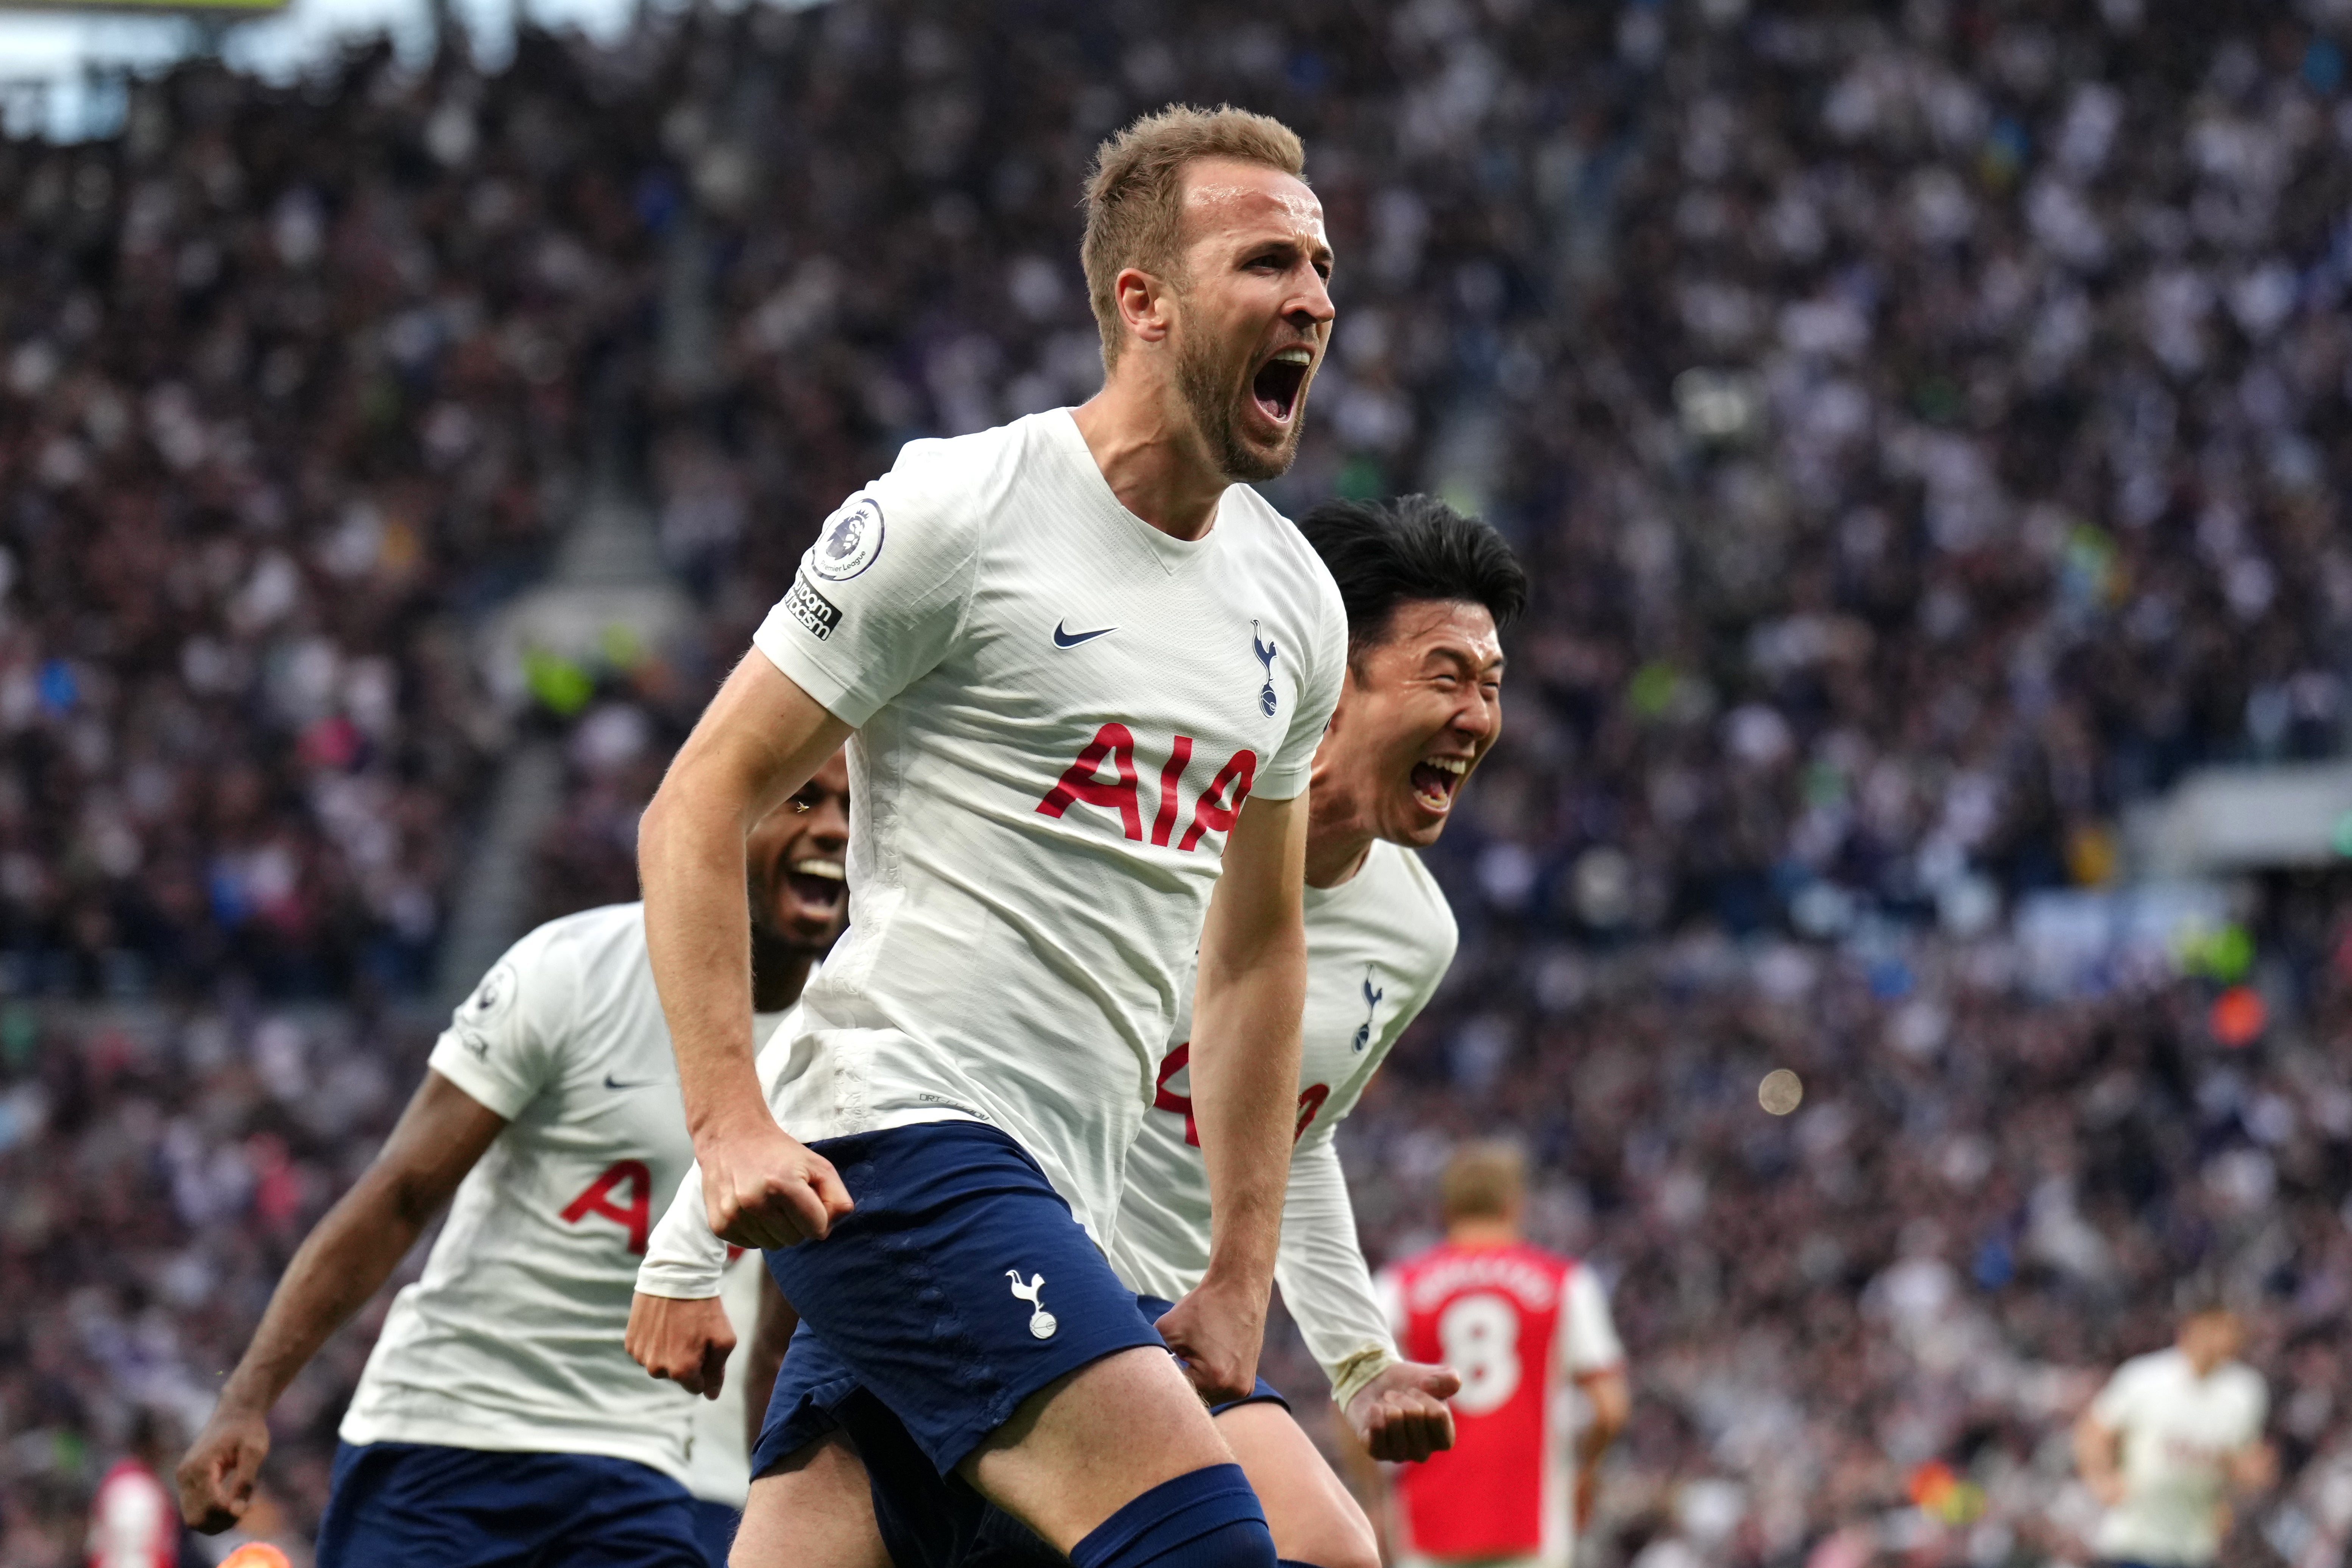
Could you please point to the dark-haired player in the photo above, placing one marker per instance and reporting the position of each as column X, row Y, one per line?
column 1426, row 591
column 1085, row 668
column 498, row 1419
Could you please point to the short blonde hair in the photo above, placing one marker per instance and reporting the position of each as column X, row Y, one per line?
column 1485, row 1180
column 1135, row 194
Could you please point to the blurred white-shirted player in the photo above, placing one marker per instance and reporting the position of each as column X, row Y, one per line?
column 499, row 1418
column 2167, row 1443
column 1426, row 591
column 1513, row 1320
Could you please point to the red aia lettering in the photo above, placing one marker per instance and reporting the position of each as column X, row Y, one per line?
column 1212, row 815
column 1082, row 783
column 1310, row 1098
column 1079, row 782
column 1166, row 1099
column 598, row 1200
column 1180, row 756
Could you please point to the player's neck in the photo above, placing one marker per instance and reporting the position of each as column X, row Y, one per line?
column 1152, row 456
column 1338, row 821
column 779, row 970
column 1482, row 1232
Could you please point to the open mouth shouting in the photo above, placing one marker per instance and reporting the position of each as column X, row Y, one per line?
column 1436, row 780
column 818, row 885
column 1279, row 381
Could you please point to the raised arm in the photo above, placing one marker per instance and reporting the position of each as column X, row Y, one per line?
column 343, row 1262
column 1252, row 987
column 759, row 740
column 1396, row 1409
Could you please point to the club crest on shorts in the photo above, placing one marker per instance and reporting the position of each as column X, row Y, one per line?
column 850, row 541
column 1042, row 1323
column 1265, row 652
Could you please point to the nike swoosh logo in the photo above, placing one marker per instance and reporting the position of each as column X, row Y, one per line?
column 611, row 1082
column 1072, row 639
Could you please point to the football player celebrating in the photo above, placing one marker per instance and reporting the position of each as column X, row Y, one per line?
column 498, row 1417
column 1085, row 667
column 1514, row 1320
column 1426, row 593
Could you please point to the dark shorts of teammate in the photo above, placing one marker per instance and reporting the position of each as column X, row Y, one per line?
column 714, row 1525
column 418, row 1505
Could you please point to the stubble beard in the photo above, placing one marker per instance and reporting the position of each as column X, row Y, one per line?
column 1209, row 396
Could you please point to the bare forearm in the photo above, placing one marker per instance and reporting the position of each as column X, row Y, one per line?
column 699, row 937
column 759, row 740
column 338, row 1267
column 1244, row 1100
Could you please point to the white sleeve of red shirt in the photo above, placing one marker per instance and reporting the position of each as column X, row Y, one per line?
column 1588, row 1338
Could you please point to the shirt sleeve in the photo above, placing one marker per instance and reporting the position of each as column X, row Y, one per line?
column 1390, row 1284
column 2113, row 1407
column 503, row 1044
column 881, row 594
column 685, row 1259
column 1324, row 1279
column 1285, row 777
column 1588, row 1339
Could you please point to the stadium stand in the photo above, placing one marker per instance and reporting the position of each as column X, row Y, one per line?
column 1925, row 430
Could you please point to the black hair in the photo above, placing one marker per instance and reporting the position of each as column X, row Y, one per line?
column 1412, row 548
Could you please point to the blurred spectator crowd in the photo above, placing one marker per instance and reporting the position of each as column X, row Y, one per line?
column 1923, row 424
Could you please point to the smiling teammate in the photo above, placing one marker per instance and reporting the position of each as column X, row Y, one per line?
column 1086, row 669
column 1425, row 590
column 500, row 1420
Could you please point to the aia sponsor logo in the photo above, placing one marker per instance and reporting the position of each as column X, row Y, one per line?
column 1310, row 1098
column 603, row 1199
column 1085, row 782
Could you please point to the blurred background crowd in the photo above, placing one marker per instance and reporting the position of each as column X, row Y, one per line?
column 1924, row 425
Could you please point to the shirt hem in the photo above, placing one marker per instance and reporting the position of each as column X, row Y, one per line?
column 358, row 1430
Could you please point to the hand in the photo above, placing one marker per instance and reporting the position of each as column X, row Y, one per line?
column 1216, row 1333
column 1401, row 1415
column 2107, row 1485
column 685, row 1341
column 761, row 1188
column 218, row 1473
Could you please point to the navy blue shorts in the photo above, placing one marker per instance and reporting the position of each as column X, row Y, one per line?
column 416, row 1505
column 959, row 1286
column 715, row 1525
column 928, row 1520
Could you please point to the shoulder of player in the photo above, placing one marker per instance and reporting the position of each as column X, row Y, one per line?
column 949, row 485
column 581, row 958
column 1398, row 893
column 1266, row 527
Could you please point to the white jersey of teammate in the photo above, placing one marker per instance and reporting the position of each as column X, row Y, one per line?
column 1058, row 708
column 2177, row 1431
column 512, row 1339
column 1377, row 946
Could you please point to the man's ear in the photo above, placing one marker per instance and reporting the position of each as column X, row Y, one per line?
column 1146, row 303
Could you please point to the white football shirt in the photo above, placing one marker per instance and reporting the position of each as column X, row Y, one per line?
column 2177, row 1431
column 722, row 1459
column 512, row 1339
column 1058, row 708
column 1377, row 946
